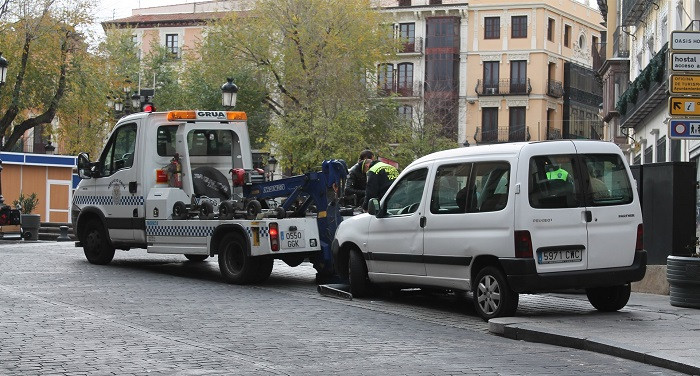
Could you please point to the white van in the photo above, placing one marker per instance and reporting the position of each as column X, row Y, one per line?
column 499, row 220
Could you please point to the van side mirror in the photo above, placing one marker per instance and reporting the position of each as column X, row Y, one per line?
column 373, row 206
column 84, row 166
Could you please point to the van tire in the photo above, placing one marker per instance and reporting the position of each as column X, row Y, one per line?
column 96, row 244
column 235, row 265
column 196, row 258
column 493, row 297
column 609, row 298
column 360, row 286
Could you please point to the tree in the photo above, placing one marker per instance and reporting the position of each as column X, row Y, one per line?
column 42, row 41
column 314, row 57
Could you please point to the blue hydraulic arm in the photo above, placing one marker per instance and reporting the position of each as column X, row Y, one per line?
column 324, row 189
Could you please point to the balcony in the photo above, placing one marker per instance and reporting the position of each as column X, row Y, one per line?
column 633, row 10
column 621, row 45
column 413, row 47
column 646, row 92
column 504, row 87
column 554, row 134
column 403, row 90
column 555, row 89
column 501, row 135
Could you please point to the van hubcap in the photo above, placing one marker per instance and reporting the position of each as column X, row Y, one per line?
column 488, row 294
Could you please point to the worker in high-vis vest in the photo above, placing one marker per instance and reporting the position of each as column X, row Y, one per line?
column 380, row 176
column 557, row 172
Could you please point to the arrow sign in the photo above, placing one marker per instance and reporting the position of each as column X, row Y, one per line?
column 684, row 106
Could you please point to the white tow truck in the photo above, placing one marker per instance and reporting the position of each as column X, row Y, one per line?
column 183, row 182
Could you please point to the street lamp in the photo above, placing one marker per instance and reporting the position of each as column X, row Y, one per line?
column 48, row 148
column 271, row 166
column 135, row 101
column 229, row 92
column 3, row 69
column 118, row 104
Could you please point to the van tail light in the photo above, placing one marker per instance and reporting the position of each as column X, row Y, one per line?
column 161, row 176
column 523, row 244
column 640, row 238
column 274, row 237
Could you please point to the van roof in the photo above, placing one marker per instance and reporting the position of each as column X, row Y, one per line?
column 492, row 149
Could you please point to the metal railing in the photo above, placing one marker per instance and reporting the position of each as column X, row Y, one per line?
column 555, row 88
column 633, row 10
column 503, row 87
column 416, row 46
column 502, row 134
column 401, row 90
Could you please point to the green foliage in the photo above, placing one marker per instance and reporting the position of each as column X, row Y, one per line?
column 27, row 203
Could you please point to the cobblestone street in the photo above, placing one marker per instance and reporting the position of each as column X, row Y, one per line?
column 160, row 314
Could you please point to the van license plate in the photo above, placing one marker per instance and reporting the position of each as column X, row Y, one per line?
column 292, row 239
column 555, row 257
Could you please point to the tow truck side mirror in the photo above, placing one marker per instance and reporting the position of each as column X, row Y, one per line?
column 84, row 166
column 373, row 207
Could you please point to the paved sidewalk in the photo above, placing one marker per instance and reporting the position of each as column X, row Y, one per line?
column 649, row 330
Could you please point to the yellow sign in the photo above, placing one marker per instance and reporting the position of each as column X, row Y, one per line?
column 684, row 84
column 684, row 106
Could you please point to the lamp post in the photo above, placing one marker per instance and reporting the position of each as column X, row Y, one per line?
column 229, row 92
column 271, row 166
column 125, row 104
column 3, row 69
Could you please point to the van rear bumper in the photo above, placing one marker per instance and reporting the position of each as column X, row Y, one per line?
column 523, row 277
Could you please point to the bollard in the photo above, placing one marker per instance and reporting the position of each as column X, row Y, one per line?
column 63, row 237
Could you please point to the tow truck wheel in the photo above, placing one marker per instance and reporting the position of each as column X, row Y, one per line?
column 196, row 258
column 264, row 269
column 235, row 264
column 96, row 245
column 360, row 285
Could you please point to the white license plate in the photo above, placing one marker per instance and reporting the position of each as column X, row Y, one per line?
column 292, row 239
column 555, row 257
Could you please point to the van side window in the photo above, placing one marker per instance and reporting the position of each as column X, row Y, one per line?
column 406, row 196
column 119, row 152
column 489, row 183
column 450, row 180
column 608, row 182
column 552, row 182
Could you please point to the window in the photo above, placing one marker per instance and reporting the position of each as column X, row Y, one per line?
column 492, row 28
column 516, row 124
column 205, row 142
column 648, row 154
column 385, row 78
column 518, row 77
column 552, row 183
column 463, row 188
column 119, row 153
column 567, row 36
column 581, row 41
column 407, row 33
column 404, row 3
column 441, row 72
column 489, row 124
column 550, row 30
column 171, row 44
column 405, row 79
column 519, row 27
column 491, row 77
column 608, row 182
column 406, row 113
column 435, row 2
column 407, row 193
column 442, row 32
column 661, row 149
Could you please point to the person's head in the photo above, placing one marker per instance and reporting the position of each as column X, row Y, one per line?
column 366, row 154
column 366, row 164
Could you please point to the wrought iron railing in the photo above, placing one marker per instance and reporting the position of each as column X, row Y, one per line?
column 502, row 134
column 401, row 90
column 503, row 87
column 415, row 46
column 555, row 88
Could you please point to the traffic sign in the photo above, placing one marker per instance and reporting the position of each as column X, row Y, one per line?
column 684, row 128
column 686, row 106
column 684, row 84
column 685, row 62
column 685, row 40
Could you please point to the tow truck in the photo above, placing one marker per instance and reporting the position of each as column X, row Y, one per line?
column 183, row 182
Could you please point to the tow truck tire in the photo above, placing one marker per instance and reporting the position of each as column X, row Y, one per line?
column 360, row 286
column 609, row 298
column 179, row 210
column 196, row 258
column 235, row 264
column 253, row 208
column 226, row 210
column 96, row 246
column 206, row 210
column 264, row 269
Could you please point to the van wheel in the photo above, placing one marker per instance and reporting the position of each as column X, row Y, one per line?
column 234, row 263
column 360, row 285
column 609, row 298
column 196, row 258
column 492, row 295
column 96, row 245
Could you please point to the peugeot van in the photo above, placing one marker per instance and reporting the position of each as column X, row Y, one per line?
column 500, row 220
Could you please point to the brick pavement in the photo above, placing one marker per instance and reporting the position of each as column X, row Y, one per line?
column 158, row 314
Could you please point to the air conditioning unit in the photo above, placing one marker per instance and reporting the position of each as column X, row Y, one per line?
column 491, row 90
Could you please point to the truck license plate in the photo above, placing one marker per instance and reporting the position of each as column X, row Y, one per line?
column 555, row 257
column 292, row 239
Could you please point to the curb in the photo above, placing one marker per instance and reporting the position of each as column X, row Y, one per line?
column 519, row 329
